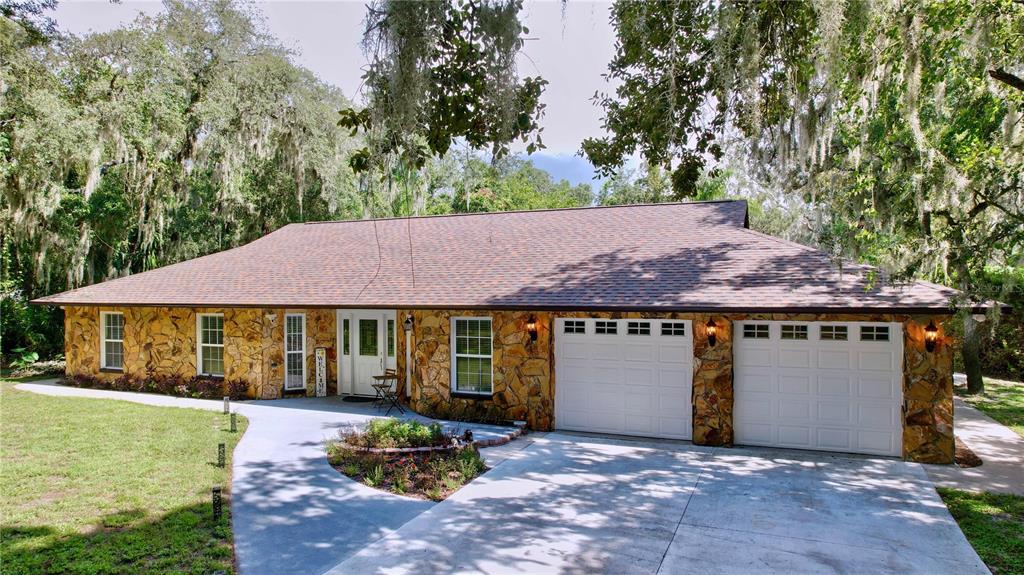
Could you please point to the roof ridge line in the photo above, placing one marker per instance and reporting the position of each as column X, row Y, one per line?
column 539, row 210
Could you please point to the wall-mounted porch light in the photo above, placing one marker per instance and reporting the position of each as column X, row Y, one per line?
column 407, row 323
column 931, row 336
column 531, row 327
column 712, row 330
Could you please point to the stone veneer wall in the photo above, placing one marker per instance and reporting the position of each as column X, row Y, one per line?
column 524, row 386
column 161, row 341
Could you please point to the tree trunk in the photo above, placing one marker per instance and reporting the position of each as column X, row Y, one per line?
column 971, row 354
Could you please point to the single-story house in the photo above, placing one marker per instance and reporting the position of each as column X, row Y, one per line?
column 669, row 320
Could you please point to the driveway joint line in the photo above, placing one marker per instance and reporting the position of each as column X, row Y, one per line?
column 693, row 491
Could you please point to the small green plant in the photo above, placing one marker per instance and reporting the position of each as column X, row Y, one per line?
column 393, row 432
column 351, row 469
column 434, row 493
column 375, row 476
column 23, row 358
column 469, row 462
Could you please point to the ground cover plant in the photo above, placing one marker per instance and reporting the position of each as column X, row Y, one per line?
column 105, row 486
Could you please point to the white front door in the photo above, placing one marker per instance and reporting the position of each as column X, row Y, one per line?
column 831, row 386
column 625, row 376
column 367, row 348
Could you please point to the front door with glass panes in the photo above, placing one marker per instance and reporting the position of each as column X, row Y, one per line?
column 367, row 346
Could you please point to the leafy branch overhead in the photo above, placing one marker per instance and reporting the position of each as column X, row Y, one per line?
column 439, row 72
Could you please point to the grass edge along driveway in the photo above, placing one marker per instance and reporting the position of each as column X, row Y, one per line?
column 107, row 486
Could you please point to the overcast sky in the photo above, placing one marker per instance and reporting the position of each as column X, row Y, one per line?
column 570, row 52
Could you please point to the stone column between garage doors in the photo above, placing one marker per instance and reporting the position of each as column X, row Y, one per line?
column 712, row 382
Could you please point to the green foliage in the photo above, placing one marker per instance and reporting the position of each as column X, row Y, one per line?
column 510, row 183
column 686, row 70
column 393, row 432
column 441, row 71
column 23, row 358
column 169, row 138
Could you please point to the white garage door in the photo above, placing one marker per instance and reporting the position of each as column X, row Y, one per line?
column 819, row 385
column 630, row 377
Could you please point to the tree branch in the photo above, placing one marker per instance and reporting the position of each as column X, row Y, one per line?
column 1007, row 78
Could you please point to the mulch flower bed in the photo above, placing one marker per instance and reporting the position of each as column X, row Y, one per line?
column 406, row 458
column 430, row 475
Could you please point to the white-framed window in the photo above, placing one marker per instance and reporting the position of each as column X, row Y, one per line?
column 606, row 327
column 472, row 371
column 874, row 333
column 210, row 341
column 575, row 326
column 794, row 332
column 755, row 331
column 344, row 338
column 834, row 333
column 638, row 328
column 673, row 328
column 112, row 338
column 294, row 351
column 391, row 338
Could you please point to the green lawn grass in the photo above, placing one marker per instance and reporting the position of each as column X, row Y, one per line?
column 105, row 486
column 1003, row 401
column 994, row 524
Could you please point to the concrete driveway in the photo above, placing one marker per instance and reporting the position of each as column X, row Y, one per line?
column 577, row 504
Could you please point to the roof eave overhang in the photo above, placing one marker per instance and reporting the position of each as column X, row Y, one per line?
column 936, row 310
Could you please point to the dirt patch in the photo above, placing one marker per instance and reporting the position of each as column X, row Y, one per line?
column 964, row 456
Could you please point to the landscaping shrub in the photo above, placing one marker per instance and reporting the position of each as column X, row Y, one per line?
column 394, row 432
column 197, row 387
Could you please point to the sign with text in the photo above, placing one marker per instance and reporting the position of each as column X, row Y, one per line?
column 320, row 360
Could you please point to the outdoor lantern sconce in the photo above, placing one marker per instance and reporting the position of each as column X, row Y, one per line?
column 408, row 323
column 931, row 336
column 531, row 327
column 712, row 331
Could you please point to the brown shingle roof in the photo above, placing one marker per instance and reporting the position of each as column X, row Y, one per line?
column 689, row 256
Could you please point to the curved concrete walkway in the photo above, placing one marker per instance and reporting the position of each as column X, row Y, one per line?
column 291, row 511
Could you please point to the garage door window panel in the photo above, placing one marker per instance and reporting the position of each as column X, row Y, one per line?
column 472, row 369
column 794, row 332
column 834, row 333
column 606, row 327
column 874, row 333
column 755, row 331
column 575, row 326
column 638, row 328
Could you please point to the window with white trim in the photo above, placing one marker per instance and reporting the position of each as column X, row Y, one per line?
column 391, row 338
column 112, row 337
column 294, row 351
column 673, row 328
column 210, row 328
column 606, row 327
column 638, row 328
column 874, row 333
column 344, row 338
column 834, row 333
column 794, row 332
column 471, row 345
column 755, row 331
column 575, row 326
